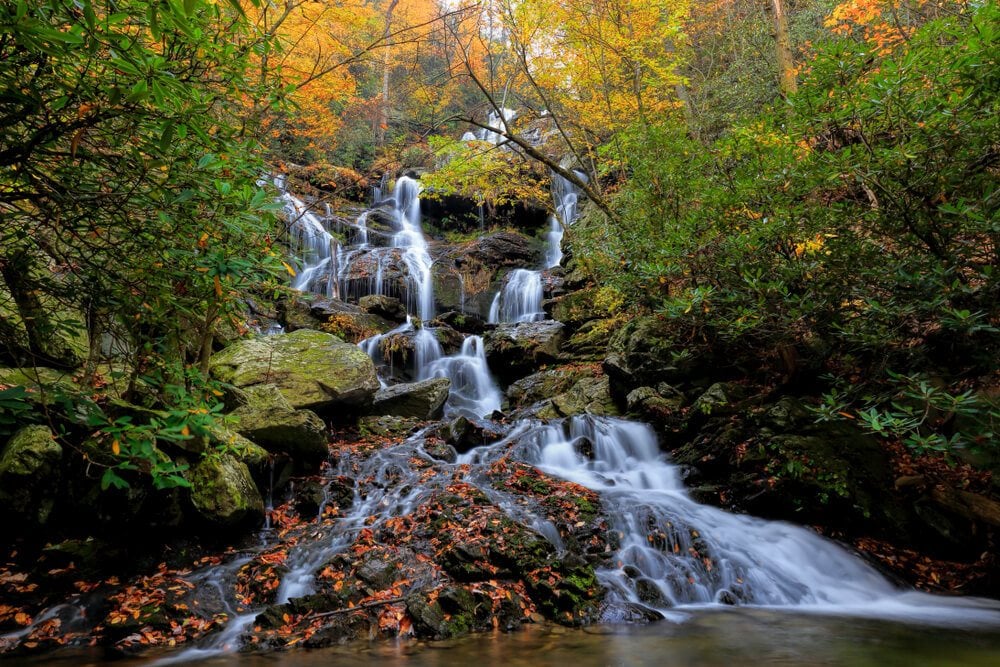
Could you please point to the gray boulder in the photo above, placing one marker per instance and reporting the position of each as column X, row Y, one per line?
column 516, row 350
column 421, row 400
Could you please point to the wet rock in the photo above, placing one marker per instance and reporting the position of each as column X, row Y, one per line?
column 649, row 402
column 359, row 277
column 541, row 386
column 422, row 400
column 313, row 370
column 644, row 352
column 376, row 572
column 29, row 475
column 384, row 306
column 466, row 323
column 454, row 211
column 720, row 398
column 786, row 415
column 464, row 434
column 223, row 493
column 388, row 426
column 505, row 249
column 515, row 350
column 268, row 419
column 440, row 450
column 575, row 308
column 588, row 396
column 243, row 449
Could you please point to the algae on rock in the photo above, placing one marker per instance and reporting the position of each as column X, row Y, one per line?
column 313, row 370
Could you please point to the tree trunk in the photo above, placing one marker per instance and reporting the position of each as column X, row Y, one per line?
column 46, row 349
column 783, row 43
column 383, row 116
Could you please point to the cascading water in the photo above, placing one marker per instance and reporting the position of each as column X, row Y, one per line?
column 675, row 553
column 499, row 121
column 311, row 243
column 520, row 300
column 473, row 392
column 566, row 197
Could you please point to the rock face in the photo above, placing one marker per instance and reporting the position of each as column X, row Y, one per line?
column 421, row 400
column 312, row 370
column 29, row 471
column 505, row 249
column 223, row 492
column 383, row 306
column 515, row 350
column 267, row 418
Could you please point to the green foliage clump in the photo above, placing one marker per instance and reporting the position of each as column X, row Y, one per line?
column 857, row 223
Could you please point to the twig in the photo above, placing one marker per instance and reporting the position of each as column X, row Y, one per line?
column 367, row 605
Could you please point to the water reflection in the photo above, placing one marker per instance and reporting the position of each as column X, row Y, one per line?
column 697, row 639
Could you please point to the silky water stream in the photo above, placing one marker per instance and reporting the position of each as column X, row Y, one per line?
column 730, row 588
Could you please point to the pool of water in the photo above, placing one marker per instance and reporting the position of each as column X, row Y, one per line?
column 696, row 639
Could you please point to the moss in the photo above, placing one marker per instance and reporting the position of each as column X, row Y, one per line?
column 224, row 493
column 313, row 370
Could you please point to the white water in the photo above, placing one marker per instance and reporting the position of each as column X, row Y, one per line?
column 498, row 121
column 566, row 197
column 473, row 392
column 520, row 299
column 682, row 554
column 311, row 243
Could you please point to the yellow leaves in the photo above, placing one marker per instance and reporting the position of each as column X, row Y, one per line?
column 288, row 268
column 810, row 246
column 218, row 286
column 116, row 447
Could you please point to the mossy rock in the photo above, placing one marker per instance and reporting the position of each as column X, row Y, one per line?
column 588, row 396
column 250, row 453
column 516, row 350
column 268, row 419
column 313, row 370
column 223, row 492
column 387, row 426
column 29, row 475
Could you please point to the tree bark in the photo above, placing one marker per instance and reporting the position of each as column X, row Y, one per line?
column 783, row 44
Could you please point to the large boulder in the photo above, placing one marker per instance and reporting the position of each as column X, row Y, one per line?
column 421, row 400
column 313, row 370
column 516, row 350
column 223, row 493
column 29, row 473
column 505, row 249
column 590, row 396
column 645, row 352
column 384, row 306
column 267, row 418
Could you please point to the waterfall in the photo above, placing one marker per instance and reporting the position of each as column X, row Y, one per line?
column 675, row 553
column 311, row 243
column 520, row 299
column 671, row 554
column 565, row 196
column 473, row 391
column 498, row 120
